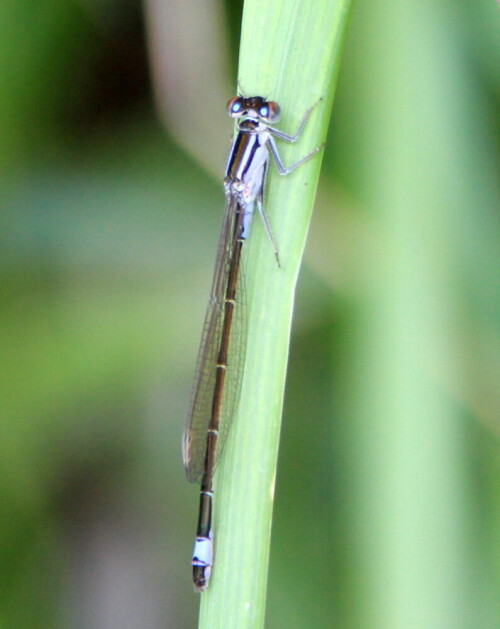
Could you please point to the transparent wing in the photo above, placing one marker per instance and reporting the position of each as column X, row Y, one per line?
column 199, row 415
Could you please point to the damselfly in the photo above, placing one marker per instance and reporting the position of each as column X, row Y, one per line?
column 221, row 355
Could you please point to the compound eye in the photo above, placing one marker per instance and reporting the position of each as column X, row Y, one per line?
column 235, row 107
column 264, row 111
column 273, row 111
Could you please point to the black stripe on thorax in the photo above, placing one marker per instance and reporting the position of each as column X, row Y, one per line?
column 244, row 148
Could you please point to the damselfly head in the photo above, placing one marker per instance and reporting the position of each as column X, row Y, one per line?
column 254, row 107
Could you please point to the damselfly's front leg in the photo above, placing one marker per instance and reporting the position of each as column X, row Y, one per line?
column 291, row 138
column 303, row 122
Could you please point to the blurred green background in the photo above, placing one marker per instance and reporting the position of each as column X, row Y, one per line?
column 388, row 492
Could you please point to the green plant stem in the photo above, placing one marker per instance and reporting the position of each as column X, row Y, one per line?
column 290, row 52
